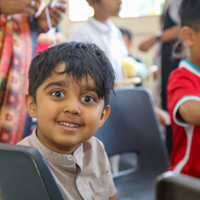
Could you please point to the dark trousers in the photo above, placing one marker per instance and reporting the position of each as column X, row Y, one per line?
column 168, row 64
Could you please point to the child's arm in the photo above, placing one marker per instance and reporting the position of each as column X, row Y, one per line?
column 113, row 198
column 167, row 35
column 190, row 111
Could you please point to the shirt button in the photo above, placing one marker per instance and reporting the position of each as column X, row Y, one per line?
column 69, row 157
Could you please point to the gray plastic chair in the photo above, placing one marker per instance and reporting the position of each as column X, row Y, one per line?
column 173, row 186
column 133, row 127
column 24, row 175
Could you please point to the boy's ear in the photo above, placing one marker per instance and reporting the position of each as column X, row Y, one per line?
column 188, row 35
column 30, row 105
column 104, row 116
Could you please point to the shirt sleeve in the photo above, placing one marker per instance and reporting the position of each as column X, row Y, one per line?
column 181, row 87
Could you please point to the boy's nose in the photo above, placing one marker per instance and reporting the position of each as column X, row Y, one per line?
column 72, row 107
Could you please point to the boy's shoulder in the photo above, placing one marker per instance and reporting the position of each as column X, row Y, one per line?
column 185, row 72
column 95, row 143
column 185, row 69
column 94, row 146
column 25, row 141
column 178, row 72
column 179, row 77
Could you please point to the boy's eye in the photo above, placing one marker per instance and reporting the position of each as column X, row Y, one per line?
column 58, row 94
column 87, row 99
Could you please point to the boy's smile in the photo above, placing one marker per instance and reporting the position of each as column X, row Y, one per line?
column 68, row 112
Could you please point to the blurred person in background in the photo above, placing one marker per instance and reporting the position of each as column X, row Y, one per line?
column 130, row 61
column 100, row 30
column 18, row 33
column 128, row 39
column 134, row 67
column 168, row 37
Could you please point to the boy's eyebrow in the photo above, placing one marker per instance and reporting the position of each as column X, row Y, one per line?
column 89, row 88
column 58, row 83
column 64, row 83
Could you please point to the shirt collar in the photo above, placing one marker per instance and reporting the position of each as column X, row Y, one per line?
column 66, row 161
column 102, row 27
column 190, row 67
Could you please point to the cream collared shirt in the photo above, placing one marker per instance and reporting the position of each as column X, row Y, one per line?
column 108, row 38
column 93, row 180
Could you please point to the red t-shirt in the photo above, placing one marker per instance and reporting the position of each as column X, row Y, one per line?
column 183, row 85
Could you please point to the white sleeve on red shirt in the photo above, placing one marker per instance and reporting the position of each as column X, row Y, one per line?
column 180, row 88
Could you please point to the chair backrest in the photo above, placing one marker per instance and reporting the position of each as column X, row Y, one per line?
column 24, row 174
column 173, row 186
column 133, row 127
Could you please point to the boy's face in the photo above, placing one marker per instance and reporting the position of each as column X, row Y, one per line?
column 108, row 7
column 68, row 113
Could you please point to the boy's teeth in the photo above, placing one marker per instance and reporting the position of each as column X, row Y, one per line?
column 69, row 125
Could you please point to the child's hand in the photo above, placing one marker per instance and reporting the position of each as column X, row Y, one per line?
column 9, row 7
column 56, row 14
column 163, row 116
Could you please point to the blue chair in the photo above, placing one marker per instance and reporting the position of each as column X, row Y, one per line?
column 174, row 186
column 25, row 175
column 132, row 127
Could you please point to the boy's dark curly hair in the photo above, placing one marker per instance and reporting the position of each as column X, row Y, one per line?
column 81, row 60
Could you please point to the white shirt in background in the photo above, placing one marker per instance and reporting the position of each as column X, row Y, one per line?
column 107, row 38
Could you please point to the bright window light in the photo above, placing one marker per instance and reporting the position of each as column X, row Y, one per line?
column 133, row 8
column 79, row 10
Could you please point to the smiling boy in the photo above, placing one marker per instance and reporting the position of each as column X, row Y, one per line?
column 69, row 86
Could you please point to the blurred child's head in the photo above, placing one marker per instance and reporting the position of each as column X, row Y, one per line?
column 190, row 24
column 106, row 8
column 69, row 87
column 127, row 36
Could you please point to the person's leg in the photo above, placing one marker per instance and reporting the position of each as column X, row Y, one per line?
column 168, row 64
